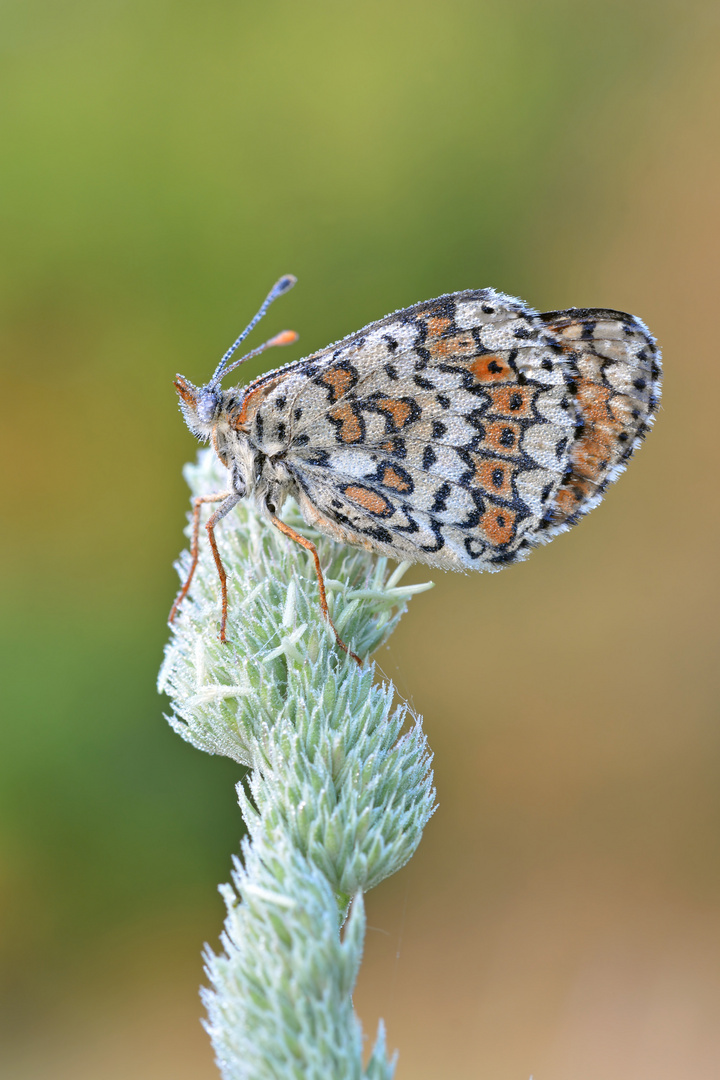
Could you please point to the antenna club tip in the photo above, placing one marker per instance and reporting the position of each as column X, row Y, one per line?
column 285, row 337
column 284, row 285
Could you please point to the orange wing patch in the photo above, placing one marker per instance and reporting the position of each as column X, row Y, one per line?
column 392, row 479
column 460, row 345
column 349, row 425
column 511, row 401
column 340, row 380
column 251, row 403
column 570, row 495
column 396, row 409
column 494, row 476
column 498, row 524
column 607, row 431
column 491, row 369
column 501, row 437
column 436, row 324
column 369, row 500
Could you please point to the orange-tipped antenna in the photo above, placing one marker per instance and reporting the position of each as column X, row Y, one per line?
column 283, row 285
column 285, row 337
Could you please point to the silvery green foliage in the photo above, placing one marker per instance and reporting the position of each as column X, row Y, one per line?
column 336, row 799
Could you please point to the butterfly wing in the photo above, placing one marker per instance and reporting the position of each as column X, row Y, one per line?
column 438, row 434
column 443, row 433
column 617, row 375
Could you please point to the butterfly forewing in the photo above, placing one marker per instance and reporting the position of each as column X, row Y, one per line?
column 436, row 434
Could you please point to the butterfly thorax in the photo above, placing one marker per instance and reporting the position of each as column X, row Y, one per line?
column 222, row 417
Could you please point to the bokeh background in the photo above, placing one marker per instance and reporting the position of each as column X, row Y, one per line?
column 161, row 164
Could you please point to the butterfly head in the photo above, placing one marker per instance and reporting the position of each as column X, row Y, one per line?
column 200, row 406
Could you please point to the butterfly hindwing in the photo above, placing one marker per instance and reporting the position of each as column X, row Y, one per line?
column 616, row 375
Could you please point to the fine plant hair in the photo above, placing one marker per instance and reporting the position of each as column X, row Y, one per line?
column 337, row 793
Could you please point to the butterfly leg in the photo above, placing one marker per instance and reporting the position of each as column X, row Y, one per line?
column 309, row 546
column 194, row 545
column 231, row 500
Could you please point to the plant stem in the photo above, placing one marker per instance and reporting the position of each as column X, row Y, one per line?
column 336, row 798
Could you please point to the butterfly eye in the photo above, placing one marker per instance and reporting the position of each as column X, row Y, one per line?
column 206, row 406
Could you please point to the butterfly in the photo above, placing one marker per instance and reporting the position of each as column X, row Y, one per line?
column 460, row 432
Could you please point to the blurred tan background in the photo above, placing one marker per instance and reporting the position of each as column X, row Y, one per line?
column 162, row 163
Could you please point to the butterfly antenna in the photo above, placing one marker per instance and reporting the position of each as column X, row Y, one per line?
column 284, row 285
column 285, row 337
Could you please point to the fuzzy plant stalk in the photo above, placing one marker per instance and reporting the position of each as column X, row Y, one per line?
column 337, row 792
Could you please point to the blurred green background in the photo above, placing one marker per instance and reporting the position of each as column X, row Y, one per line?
column 161, row 164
